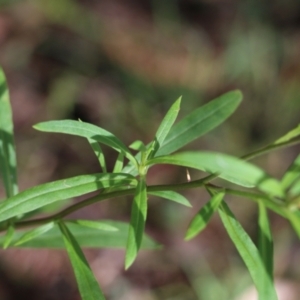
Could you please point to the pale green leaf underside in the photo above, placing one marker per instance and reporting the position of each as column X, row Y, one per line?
column 47, row 193
column 200, row 221
column 249, row 254
column 88, row 286
column 137, row 223
column 8, row 162
column 86, row 130
column 228, row 167
column 86, row 237
column 173, row 196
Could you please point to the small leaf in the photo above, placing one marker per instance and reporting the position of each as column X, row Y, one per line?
column 86, row 237
column 88, row 131
column 31, row 234
column 289, row 136
column 8, row 237
column 265, row 240
column 228, row 167
column 137, row 223
column 204, row 215
column 200, row 121
column 138, row 146
column 8, row 161
column 173, row 196
column 167, row 122
column 94, row 224
column 249, row 253
column 88, row 286
column 99, row 154
column 47, row 193
column 292, row 174
column 119, row 163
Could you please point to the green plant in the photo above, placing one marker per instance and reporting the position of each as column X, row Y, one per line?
column 281, row 196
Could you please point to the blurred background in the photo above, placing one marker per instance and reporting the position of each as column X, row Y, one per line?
column 120, row 64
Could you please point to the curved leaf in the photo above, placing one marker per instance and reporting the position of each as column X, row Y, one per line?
column 47, row 193
column 94, row 224
column 292, row 174
column 86, row 130
column 228, row 167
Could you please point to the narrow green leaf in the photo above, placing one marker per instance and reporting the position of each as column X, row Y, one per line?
column 173, row 196
column 31, row 234
column 200, row 121
column 94, row 224
column 99, row 154
column 289, row 136
column 119, row 163
column 265, row 239
column 295, row 190
column 86, row 237
column 292, row 174
column 249, row 253
column 47, row 193
column 88, row 286
column 294, row 218
column 86, row 130
column 8, row 161
column 228, row 167
column 204, row 215
column 8, row 237
column 137, row 223
column 138, row 146
column 167, row 122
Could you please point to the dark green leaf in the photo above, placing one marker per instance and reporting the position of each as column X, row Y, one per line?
column 86, row 237
column 47, row 193
column 228, row 167
column 200, row 121
column 88, row 286
column 204, row 215
column 265, row 240
column 173, row 196
column 86, row 130
column 137, row 223
column 249, row 253
column 8, row 161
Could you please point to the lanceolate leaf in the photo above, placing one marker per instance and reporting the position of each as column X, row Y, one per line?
column 99, row 154
column 47, row 193
column 8, row 236
column 228, row 167
column 290, row 135
column 265, row 240
column 86, row 236
column 167, row 122
column 137, row 223
column 119, row 163
column 86, row 130
column 173, row 196
column 31, row 234
column 88, row 286
column 8, row 162
column 200, row 121
column 94, row 224
column 203, row 217
column 249, row 253
column 292, row 174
